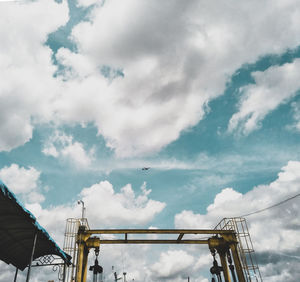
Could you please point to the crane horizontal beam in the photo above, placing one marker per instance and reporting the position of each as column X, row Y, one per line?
column 158, row 231
column 151, row 241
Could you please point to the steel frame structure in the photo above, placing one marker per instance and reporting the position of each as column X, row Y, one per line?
column 221, row 241
column 245, row 246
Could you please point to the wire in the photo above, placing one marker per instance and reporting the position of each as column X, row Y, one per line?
column 275, row 205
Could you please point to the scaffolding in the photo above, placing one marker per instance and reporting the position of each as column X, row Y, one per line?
column 70, row 246
column 245, row 246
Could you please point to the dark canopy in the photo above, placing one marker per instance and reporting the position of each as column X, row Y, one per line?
column 18, row 227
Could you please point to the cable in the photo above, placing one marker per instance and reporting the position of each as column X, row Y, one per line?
column 282, row 202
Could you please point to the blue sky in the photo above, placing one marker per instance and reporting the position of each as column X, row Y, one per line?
column 206, row 94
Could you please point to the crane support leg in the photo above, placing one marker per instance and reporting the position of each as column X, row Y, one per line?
column 237, row 262
column 79, row 268
column 85, row 243
column 222, row 254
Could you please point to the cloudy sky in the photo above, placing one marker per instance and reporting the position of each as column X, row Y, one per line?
column 206, row 93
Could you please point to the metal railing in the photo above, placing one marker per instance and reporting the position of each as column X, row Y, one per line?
column 245, row 246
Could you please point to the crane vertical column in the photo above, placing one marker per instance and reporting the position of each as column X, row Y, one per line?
column 222, row 255
column 83, row 251
column 237, row 262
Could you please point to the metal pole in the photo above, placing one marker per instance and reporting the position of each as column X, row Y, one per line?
column 79, row 266
column 226, row 274
column 31, row 258
column 237, row 263
column 64, row 273
column 16, row 274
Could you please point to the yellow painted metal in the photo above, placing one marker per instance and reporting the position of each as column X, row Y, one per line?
column 80, row 259
column 224, row 264
column 157, row 231
column 149, row 241
column 244, row 246
column 237, row 262
column 93, row 242
column 222, row 246
column 84, row 264
column 221, row 241
column 82, row 255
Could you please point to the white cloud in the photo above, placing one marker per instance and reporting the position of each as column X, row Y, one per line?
column 227, row 195
column 275, row 230
column 27, row 84
column 50, row 150
column 282, row 272
column 172, row 264
column 123, row 208
column 273, row 87
column 104, row 207
column 296, row 115
column 77, row 153
column 176, row 57
column 86, row 3
column 22, row 181
column 62, row 145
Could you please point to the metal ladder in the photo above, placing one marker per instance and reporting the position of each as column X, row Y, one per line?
column 245, row 246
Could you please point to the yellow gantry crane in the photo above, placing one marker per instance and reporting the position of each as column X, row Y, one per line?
column 222, row 242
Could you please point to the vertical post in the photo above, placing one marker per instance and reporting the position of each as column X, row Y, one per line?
column 237, row 263
column 31, row 258
column 85, row 263
column 79, row 267
column 82, row 255
column 64, row 272
column 16, row 274
column 222, row 255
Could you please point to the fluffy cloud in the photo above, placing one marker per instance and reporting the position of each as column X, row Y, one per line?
column 143, row 72
column 123, row 208
column 274, row 230
column 175, row 58
column 111, row 208
column 27, row 84
column 171, row 264
column 63, row 146
column 22, row 181
column 272, row 87
column 104, row 208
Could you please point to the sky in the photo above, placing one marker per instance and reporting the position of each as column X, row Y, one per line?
column 205, row 93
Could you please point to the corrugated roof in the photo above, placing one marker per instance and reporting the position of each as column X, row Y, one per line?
column 17, row 229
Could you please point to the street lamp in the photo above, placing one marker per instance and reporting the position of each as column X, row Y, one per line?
column 83, row 209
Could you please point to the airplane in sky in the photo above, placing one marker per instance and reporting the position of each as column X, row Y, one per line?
column 145, row 168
